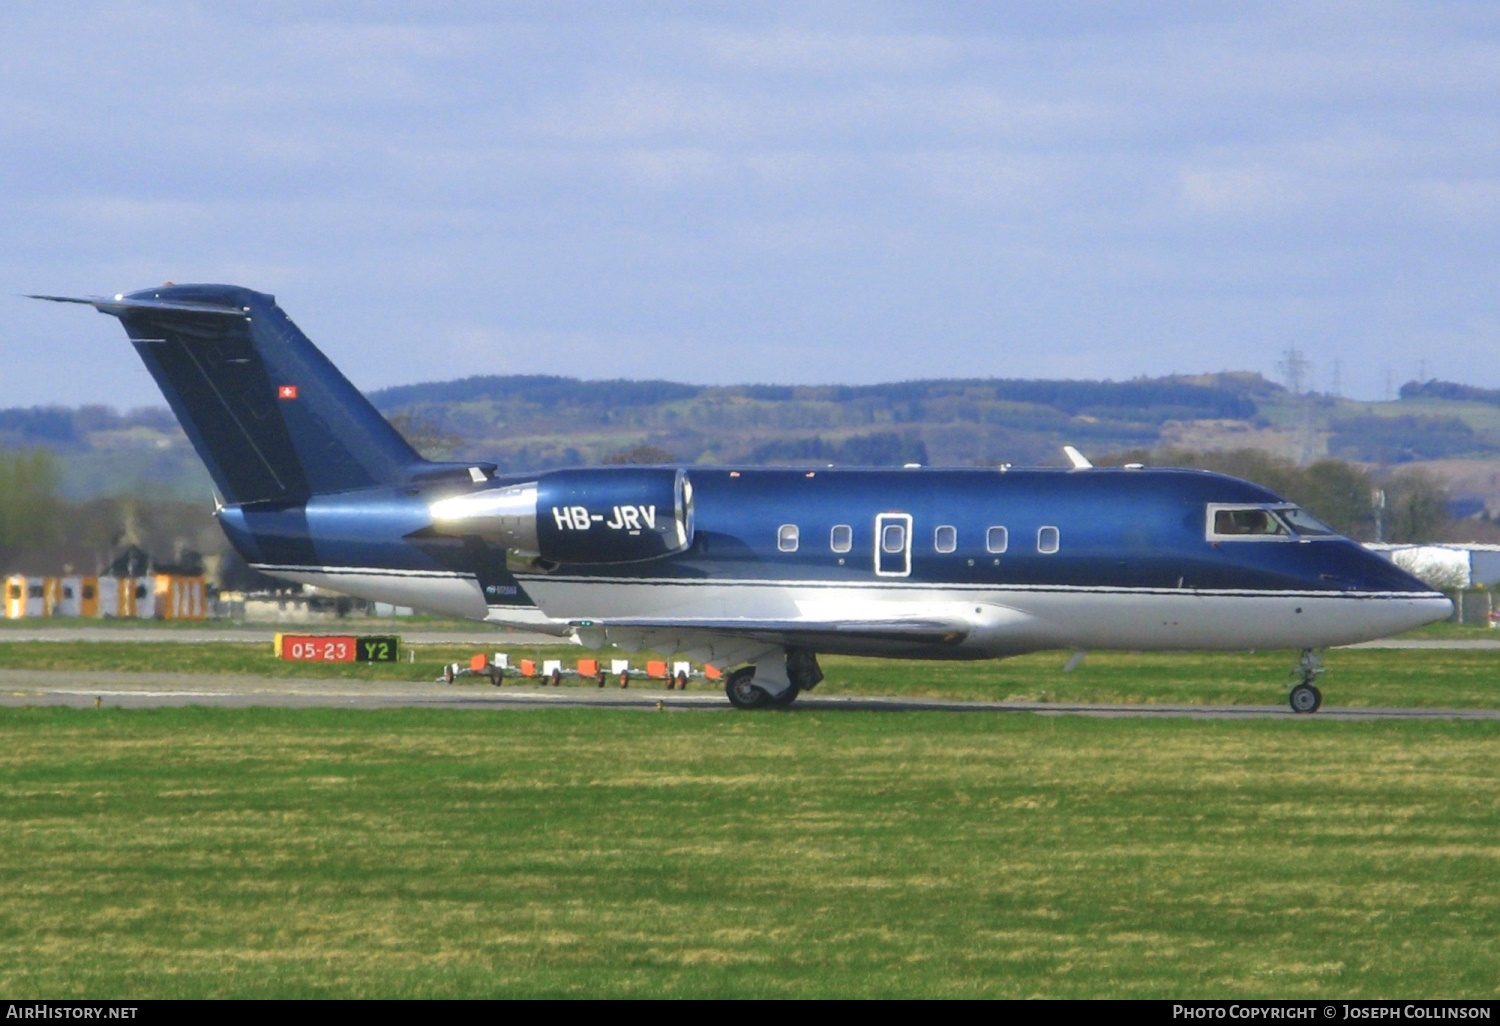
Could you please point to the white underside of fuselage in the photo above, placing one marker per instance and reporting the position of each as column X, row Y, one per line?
column 993, row 620
column 1008, row 620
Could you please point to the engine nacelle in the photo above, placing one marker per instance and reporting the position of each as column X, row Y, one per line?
column 580, row 516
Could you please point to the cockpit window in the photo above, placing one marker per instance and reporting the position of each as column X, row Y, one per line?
column 1304, row 523
column 1234, row 522
column 1256, row 522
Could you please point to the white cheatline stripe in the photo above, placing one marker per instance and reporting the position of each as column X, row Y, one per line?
column 888, row 585
column 882, row 585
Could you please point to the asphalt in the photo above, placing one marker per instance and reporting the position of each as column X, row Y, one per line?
column 481, row 635
column 114, row 689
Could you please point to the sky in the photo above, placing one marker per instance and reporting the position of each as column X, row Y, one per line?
column 789, row 193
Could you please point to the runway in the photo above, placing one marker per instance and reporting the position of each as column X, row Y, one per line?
column 110, row 689
column 263, row 634
column 480, row 635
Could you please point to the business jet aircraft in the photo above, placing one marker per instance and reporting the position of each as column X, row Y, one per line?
column 755, row 569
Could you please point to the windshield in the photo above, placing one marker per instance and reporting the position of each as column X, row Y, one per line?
column 1304, row 523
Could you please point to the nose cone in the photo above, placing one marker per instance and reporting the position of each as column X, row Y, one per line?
column 1425, row 610
column 1406, row 601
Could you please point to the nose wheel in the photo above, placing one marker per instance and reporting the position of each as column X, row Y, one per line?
column 1305, row 696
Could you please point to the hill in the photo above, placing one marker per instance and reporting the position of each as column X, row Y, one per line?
column 524, row 422
column 533, row 422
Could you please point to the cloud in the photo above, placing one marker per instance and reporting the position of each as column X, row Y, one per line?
column 823, row 192
column 1243, row 191
column 800, row 51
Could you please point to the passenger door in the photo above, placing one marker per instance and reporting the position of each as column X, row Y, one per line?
column 893, row 545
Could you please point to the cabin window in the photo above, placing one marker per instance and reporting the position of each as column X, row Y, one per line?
column 1047, row 540
column 893, row 538
column 996, row 539
column 786, row 538
column 842, row 538
column 945, row 538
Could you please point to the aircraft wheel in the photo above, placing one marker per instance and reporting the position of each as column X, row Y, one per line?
column 1306, row 698
column 742, row 693
column 787, row 697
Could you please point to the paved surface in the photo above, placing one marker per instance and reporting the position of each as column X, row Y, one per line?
column 1435, row 643
column 480, row 635
column 264, row 633
column 146, row 690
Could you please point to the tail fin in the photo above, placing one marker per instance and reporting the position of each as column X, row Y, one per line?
column 269, row 414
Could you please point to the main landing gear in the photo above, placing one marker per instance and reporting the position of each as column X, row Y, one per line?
column 1305, row 696
column 802, row 673
column 742, row 691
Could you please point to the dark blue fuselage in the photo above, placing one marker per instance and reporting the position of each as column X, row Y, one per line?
column 1115, row 528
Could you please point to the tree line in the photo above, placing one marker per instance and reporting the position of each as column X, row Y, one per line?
column 43, row 532
column 1152, row 400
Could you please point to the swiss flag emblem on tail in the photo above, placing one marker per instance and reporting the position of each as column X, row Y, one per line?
column 286, row 391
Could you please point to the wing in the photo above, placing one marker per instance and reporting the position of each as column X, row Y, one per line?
column 727, row 642
column 801, row 632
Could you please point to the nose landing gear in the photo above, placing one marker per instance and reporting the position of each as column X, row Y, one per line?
column 1305, row 696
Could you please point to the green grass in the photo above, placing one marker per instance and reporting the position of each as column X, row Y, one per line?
column 193, row 852
column 1355, row 677
column 1447, row 630
column 234, row 657
column 351, row 625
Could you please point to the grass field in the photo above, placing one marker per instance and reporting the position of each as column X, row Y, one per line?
column 192, row 852
column 1356, row 677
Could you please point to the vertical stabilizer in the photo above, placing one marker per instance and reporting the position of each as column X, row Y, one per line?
column 269, row 414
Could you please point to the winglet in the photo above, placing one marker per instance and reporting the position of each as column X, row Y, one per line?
column 1078, row 459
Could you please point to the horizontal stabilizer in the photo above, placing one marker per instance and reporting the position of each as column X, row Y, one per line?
column 121, row 305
